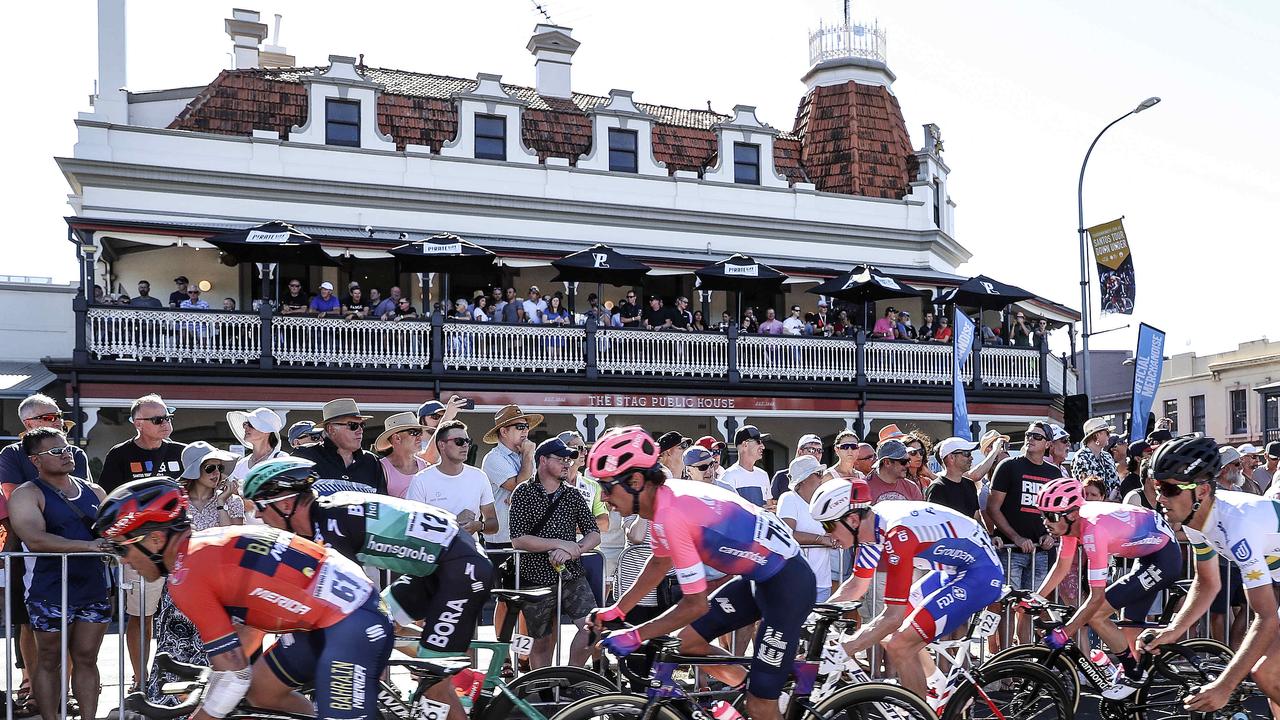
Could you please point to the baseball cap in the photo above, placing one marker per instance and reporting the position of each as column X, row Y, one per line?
column 430, row 407
column 1248, row 449
column 710, row 443
column 1058, row 433
column 802, row 467
column 1159, row 436
column 1137, row 449
column 326, row 285
column 1039, row 426
column 807, row 439
column 952, row 444
column 1115, row 440
column 697, row 455
column 748, row 432
column 554, row 446
column 300, row 428
column 1273, row 448
column 181, row 279
column 670, row 439
column 822, row 303
column 891, row 450
column 1228, row 455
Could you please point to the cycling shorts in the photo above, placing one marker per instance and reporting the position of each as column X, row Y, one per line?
column 1135, row 592
column 343, row 662
column 449, row 600
column 942, row 603
column 781, row 604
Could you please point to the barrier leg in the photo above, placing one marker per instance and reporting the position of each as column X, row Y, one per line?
column 8, row 632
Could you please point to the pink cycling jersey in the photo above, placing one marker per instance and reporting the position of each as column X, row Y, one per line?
column 696, row 523
column 1109, row 529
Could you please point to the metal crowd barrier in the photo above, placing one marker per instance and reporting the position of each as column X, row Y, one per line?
column 517, row 554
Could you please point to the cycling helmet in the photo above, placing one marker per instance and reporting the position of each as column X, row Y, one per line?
column 1061, row 495
column 622, row 450
column 836, row 498
column 140, row 506
column 1189, row 459
column 279, row 477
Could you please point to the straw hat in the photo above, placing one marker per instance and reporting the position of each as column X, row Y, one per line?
column 509, row 415
column 394, row 424
column 340, row 408
column 889, row 432
column 989, row 438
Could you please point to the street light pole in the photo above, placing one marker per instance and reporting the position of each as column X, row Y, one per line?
column 1085, row 313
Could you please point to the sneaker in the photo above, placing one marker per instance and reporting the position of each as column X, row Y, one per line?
column 1122, row 689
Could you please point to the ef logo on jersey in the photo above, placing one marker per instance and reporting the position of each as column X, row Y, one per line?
column 1242, row 551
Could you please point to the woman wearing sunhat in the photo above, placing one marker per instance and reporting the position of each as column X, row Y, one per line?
column 259, row 431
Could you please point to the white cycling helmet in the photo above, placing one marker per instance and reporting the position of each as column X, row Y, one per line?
column 836, row 498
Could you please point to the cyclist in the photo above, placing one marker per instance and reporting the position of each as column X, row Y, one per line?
column 695, row 523
column 899, row 535
column 237, row 582
column 1244, row 528
column 446, row 579
column 1108, row 530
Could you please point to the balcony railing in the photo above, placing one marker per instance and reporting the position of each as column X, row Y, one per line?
column 847, row 41
column 184, row 337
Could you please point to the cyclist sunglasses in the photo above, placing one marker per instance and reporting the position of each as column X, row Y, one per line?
column 1171, row 489
column 120, row 549
column 47, row 417
column 262, row 505
column 1052, row 516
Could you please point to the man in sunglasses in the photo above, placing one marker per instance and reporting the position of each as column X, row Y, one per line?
column 1244, row 529
column 444, row 578
column 810, row 445
column 1106, row 530
column 54, row 514
column 341, row 455
column 1012, row 507
column 671, row 447
column 454, row 485
column 899, row 535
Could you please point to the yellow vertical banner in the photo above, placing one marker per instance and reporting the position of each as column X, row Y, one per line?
column 1116, row 284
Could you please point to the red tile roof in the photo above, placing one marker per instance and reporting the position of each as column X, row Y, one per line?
column 848, row 139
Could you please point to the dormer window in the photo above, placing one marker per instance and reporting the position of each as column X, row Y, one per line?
column 623, row 151
column 746, row 164
column 342, row 123
column 491, row 137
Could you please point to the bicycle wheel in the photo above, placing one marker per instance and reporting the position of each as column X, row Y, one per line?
column 615, row 706
column 548, row 690
column 1039, row 654
column 1172, row 674
column 1010, row 689
column 871, row 701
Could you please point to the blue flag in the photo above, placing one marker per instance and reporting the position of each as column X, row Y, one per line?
column 962, row 345
column 1148, row 364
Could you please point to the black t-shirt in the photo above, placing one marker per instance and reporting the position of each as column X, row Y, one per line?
column 294, row 301
column 680, row 319
column 176, row 297
column 959, row 496
column 1020, row 480
column 406, row 312
column 127, row 461
column 628, row 310
column 1131, row 482
column 357, row 308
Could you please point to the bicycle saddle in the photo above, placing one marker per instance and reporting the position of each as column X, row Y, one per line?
column 519, row 596
column 433, row 667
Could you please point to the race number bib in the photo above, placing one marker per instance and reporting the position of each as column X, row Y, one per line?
column 429, row 709
column 988, row 623
column 342, row 587
column 522, row 644
column 775, row 536
column 431, row 528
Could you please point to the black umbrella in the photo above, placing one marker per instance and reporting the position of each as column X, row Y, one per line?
column 983, row 292
column 865, row 285
column 273, row 242
column 739, row 273
column 599, row 264
column 443, row 253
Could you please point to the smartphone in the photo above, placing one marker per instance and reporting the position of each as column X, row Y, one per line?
column 469, row 404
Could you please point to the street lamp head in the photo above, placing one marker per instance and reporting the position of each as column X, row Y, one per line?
column 1147, row 104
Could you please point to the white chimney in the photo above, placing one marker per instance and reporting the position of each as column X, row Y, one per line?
column 273, row 55
column 247, row 33
column 553, row 49
column 112, row 100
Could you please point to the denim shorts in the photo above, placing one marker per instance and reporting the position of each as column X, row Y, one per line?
column 1018, row 570
column 47, row 616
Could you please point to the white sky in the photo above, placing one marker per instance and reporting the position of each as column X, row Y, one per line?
column 1018, row 88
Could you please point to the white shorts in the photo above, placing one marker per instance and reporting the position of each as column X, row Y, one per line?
column 137, row 590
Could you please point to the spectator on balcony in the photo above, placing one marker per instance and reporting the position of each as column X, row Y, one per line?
column 794, row 324
column 535, row 308
column 482, row 311
column 656, row 317
column 460, row 311
column 681, row 318
column 228, row 304
column 698, row 324
column 557, row 313
column 295, row 300
column 354, row 306
column 943, row 333
column 340, row 456
column 144, row 298
column 840, row 327
column 886, row 327
column 496, row 302
column 325, row 304
column 725, row 321
column 375, row 298
column 120, row 298
column 925, row 332
column 810, row 445
column 259, row 431
column 822, row 320
column 193, row 301
column 1040, row 334
column 177, row 296
column 387, row 308
column 629, row 311
column 403, row 311
column 771, row 325
column 990, row 336
column 744, row 477
column 512, row 308
column 903, row 327
column 1020, row 333
column 100, row 296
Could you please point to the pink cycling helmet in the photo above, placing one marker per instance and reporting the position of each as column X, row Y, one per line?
column 1061, row 495
column 621, row 450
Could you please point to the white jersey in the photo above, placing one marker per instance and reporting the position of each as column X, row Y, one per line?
column 1245, row 528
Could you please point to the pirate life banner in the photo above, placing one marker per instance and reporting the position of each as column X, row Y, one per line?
column 1116, row 282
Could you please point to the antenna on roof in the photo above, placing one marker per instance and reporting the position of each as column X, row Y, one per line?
column 846, row 13
column 542, row 9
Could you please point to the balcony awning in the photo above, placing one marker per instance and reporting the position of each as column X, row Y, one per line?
column 20, row 379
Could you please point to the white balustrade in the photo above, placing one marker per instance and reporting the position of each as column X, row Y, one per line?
column 1010, row 367
column 649, row 352
column 847, row 41
column 338, row 342
column 138, row 334
column 773, row 357
column 912, row 363
column 514, row 348
column 1056, row 376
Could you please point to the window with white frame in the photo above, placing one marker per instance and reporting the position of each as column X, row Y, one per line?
column 746, row 164
column 491, row 137
column 342, row 123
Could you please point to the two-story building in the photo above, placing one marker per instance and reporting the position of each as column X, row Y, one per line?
column 1232, row 396
column 362, row 158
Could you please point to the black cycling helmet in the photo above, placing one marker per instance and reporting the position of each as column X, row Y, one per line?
column 1188, row 459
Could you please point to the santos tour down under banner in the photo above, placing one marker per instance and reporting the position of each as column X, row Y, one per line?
column 1115, row 267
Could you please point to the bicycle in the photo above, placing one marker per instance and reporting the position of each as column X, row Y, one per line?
column 1168, row 677
column 1011, row 689
column 653, row 667
column 534, row 696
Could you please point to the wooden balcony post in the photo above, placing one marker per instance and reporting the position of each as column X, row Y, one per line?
column 731, row 353
column 860, row 358
column 589, row 351
column 266, row 338
column 80, row 306
column 437, row 342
